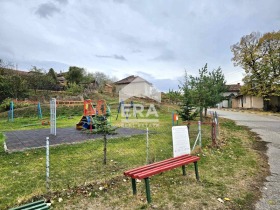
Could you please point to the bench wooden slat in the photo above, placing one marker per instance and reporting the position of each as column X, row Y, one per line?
column 166, row 167
column 38, row 206
column 153, row 165
column 28, row 205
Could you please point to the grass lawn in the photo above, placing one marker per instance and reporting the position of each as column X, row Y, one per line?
column 231, row 173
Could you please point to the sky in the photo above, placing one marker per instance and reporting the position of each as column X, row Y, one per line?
column 156, row 39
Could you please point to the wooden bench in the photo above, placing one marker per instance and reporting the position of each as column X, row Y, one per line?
column 37, row 205
column 145, row 172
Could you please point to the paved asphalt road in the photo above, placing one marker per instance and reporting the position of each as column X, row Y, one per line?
column 268, row 128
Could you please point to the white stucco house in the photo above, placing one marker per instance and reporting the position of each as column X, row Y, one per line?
column 249, row 102
column 135, row 86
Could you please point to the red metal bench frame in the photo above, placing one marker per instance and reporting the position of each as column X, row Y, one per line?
column 145, row 172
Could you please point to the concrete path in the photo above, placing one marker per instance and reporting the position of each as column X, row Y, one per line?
column 30, row 139
column 268, row 128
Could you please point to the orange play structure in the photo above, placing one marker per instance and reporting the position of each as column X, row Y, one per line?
column 90, row 113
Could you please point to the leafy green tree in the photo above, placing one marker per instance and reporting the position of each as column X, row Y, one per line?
column 259, row 56
column 35, row 78
column 187, row 109
column 198, row 91
column 174, row 96
column 52, row 75
column 88, row 78
column 215, row 85
column 75, row 74
column 205, row 90
column 104, row 128
column 38, row 80
column 74, row 89
column 18, row 86
column 12, row 85
column 5, row 91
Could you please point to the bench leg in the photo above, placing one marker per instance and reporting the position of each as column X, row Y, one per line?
column 184, row 170
column 133, row 182
column 196, row 171
column 148, row 193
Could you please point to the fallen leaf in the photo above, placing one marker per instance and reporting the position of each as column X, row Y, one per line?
column 226, row 199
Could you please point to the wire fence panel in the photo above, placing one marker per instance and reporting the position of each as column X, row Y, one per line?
column 81, row 164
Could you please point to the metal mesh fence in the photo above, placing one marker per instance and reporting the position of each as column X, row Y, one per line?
column 80, row 164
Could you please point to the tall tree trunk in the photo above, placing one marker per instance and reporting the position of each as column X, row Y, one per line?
column 205, row 111
column 265, row 104
column 200, row 114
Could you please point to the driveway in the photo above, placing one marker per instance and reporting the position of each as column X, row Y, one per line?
column 268, row 128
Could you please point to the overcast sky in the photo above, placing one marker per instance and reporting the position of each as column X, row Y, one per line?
column 155, row 39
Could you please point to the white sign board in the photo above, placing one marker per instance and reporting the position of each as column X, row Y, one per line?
column 181, row 141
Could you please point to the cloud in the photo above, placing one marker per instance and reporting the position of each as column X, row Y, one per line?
column 41, row 64
column 161, row 84
column 166, row 55
column 136, row 51
column 161, row 38
column 117, row 57
column 47, row 10
column 62, row 1
column 118, row 1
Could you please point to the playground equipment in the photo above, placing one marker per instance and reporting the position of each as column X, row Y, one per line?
column 39, row 110
column 92, row 114
column 11, row 112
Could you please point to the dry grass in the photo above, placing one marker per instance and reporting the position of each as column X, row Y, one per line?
column 232, row 173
